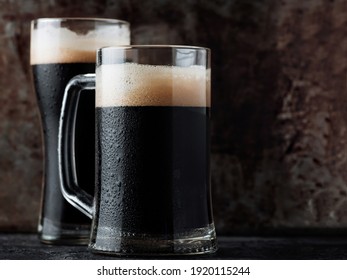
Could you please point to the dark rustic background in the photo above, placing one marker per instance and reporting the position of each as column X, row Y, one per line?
column 279, row 139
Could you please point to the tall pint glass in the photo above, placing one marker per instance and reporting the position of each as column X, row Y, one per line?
column 152, row 193
column 60, row 49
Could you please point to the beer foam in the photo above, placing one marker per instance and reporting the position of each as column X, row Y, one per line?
column 61, row 45
column 133, row 84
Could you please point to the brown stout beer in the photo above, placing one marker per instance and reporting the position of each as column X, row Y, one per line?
column 60, row 50
column 50, row 80
column 152, row 151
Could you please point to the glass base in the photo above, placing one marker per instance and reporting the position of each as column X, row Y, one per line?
column 63, row 234
column 197, row 241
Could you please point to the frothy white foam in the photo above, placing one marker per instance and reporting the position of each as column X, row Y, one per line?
column 55, row 44
column 132, row 84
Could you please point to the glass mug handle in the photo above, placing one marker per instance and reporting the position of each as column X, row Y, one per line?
column 70, row 189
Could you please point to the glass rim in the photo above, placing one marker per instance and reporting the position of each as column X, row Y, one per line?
column 90, row 19
column 148, row 46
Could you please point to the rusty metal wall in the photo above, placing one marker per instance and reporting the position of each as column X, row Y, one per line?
column 279, row 117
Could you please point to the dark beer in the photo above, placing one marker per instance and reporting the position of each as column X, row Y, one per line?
column 61, row 48
column 154, row 168
column 152, row 154
column 50, row 80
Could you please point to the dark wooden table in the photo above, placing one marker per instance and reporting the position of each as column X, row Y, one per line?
column 21, row 246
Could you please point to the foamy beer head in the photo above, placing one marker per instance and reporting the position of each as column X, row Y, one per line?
column 140, row 84
column 60, row 41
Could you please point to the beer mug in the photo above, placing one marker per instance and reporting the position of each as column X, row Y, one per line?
column 60, row 49
column 152, row 151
